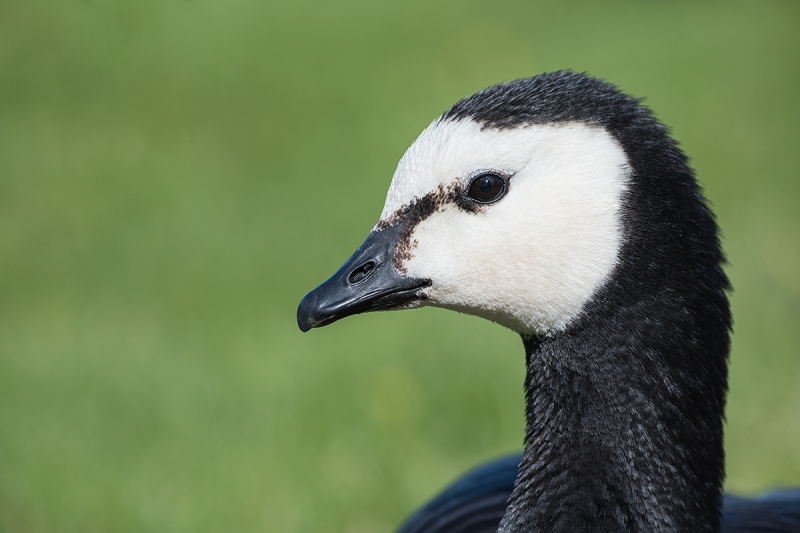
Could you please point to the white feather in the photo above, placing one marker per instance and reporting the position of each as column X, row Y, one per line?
column 534, row 259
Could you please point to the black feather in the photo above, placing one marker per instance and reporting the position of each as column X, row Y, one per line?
column 477, row 501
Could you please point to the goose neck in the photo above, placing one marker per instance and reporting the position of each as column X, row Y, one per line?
column 624, row 429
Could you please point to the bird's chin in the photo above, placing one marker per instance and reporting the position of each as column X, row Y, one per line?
column 524, row 326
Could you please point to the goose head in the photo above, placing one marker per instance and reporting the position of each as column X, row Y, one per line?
column 518, row 223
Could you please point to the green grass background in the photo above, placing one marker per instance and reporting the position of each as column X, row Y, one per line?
column 176, row 175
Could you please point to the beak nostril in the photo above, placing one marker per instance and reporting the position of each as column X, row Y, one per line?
column 361, row 273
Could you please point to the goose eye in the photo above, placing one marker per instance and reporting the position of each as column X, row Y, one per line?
column 487, row 188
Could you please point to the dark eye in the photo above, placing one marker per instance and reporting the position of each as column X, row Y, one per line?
column 487, row 188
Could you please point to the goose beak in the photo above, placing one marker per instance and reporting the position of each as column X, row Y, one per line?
column 368, row 281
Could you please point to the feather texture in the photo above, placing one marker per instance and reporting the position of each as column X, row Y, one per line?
column 477, row 501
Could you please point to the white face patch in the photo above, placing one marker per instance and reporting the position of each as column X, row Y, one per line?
column 532, row 260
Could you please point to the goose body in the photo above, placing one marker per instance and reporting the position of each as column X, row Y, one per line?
column 559, row 207
column 477, row 501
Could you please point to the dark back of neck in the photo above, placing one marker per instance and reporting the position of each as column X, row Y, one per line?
column 624, row 422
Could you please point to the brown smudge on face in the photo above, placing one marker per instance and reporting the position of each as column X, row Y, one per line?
column 418, row 210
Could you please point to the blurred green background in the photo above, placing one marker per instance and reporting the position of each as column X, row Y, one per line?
column 175, row 175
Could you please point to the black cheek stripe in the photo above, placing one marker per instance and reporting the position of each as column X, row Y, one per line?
column 417, row 210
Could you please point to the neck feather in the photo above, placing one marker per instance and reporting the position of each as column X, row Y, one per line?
column 624, row 423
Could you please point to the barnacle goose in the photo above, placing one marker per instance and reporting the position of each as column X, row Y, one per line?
column 559, row 207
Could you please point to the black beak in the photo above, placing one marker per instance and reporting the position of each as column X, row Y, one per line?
column 368, row 281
